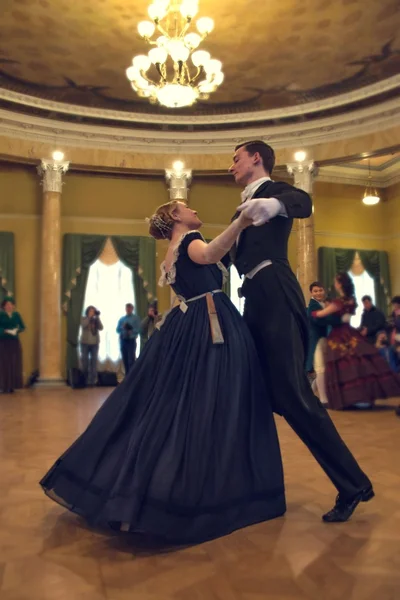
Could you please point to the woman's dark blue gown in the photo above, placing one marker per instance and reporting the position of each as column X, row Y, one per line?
column 186, row 447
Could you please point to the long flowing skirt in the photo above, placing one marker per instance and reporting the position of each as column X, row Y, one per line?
column 355, row 371
column 186, row 447
column 10, row 365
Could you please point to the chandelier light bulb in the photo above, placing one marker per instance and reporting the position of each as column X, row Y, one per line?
column 162, row 41
column 200, row 58
column 218, row 78
column 205, row 25
column 174, row 95
column 158, row 56
column 213, row 66
column 192, row 40
column 189, row 9
column 142, row 62
column 146, row 29
column 157, row 11
column 300, row 156
column 58, row 156
column 178, row 50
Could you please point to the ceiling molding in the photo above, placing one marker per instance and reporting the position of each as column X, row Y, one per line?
column 352, row 124
column 358, row 175
column 339, row 100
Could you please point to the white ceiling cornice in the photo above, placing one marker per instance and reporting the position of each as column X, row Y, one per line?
column 337, row 101
column 345, row 126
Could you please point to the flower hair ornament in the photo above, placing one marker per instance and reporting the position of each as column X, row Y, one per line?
column 161, row 225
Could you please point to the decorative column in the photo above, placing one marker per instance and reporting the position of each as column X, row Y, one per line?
column 178, row 179
column 304, row 173
column 50, row 283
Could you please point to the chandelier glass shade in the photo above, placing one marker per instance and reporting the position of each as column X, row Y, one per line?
column 371, row 196
column 174, row 73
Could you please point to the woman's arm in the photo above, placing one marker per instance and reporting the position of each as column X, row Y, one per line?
column 209, row 254
column 99, row 324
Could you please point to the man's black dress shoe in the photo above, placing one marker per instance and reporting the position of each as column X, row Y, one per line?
column 343, row 509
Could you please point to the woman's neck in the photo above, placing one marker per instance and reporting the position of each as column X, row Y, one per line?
column 179, row 230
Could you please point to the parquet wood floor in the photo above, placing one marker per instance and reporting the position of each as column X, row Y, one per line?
column 47, row 553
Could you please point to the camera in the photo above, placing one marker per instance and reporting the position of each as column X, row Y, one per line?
column 96, row 313
column 128, row 327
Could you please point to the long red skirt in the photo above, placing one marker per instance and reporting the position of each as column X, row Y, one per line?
column 355, row 372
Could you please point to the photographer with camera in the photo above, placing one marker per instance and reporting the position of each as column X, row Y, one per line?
column 90, row 340
column 128, row 328
column 149, row 323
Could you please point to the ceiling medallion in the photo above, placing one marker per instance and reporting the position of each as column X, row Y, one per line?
column 164, row 75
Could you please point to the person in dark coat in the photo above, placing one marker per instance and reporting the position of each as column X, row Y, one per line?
column 372, row 321
column 275, row 313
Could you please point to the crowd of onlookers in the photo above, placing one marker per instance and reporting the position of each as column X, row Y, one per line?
column 129, row 328
column 352, row 366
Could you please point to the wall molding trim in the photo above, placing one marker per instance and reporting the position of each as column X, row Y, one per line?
column 355, row 123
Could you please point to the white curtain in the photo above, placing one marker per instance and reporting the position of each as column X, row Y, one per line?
column 109, row 288
column 364, row 286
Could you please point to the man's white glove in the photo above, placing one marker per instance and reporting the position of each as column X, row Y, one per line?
column 346, row 318
column 11, row 331
column 261, row 210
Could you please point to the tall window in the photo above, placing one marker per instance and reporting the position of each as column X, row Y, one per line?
column 109, row 288
column 235, row 283
column 364, row 286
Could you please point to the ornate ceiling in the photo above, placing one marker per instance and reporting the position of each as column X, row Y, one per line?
column 279, row 59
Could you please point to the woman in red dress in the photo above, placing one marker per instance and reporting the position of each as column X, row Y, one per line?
column 355, row 372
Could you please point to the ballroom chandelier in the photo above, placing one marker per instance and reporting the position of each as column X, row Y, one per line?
column 370, row 195
column 165, row 74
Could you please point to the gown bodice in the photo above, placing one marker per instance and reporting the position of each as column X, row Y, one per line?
column 187, row 278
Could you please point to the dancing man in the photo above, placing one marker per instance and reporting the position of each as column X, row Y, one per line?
column 275, row 313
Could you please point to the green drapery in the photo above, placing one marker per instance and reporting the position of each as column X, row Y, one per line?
column 79, row 253
column 6, row 265
column 336, row 260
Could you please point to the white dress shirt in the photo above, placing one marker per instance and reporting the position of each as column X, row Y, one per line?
column 247, row 195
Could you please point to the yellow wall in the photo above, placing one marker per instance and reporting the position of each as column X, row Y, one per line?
column 342, row 220
column 118, row 206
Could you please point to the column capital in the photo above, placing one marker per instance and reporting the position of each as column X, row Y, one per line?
column 51, row 172
column 179, row 181
column 304, row 174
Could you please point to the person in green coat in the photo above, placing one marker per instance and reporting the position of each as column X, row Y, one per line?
column 11, row 325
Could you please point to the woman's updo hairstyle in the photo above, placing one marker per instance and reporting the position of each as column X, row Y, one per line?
column 162, row 222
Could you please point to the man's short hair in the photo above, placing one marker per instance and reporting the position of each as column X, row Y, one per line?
column 315, row 284
column 364, row 298
column 395, row 300
column 265, row 151
column 129, row 305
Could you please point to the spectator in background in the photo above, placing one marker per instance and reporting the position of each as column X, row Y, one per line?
column 90, row 340
column 395, row 320
column 388, row 352
column 128, row 329
column 149, row 323
column 11, row 325
column 372, row 320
